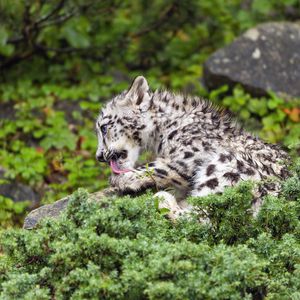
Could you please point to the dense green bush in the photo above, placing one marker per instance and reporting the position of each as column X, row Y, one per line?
column 72, row 38
column 126, row 249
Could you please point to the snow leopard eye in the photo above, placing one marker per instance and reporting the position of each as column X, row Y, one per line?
column 104, row 129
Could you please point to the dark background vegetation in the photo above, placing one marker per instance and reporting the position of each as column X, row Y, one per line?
column 61, row 59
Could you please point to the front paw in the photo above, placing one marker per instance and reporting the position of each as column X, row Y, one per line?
column 124, row 182
column 130, row 183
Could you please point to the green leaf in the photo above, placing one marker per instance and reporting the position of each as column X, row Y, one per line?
column 76, row 32
column 262, row 6
column 5, row 49
column 164, row 211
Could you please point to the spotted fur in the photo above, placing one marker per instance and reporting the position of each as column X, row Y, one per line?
column 199, row 149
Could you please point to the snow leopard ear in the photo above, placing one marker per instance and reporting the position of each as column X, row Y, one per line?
column 138, row 91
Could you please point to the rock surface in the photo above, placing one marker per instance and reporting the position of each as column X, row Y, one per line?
column 54, row 210
column 17, row 191
column 264, row 58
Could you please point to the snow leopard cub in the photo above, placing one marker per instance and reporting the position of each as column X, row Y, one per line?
column 198, row 149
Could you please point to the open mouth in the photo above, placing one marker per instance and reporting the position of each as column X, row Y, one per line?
column 116, row 168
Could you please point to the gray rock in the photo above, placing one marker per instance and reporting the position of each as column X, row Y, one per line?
column 50, row 210
column 264, row 58
column 55, row 209
column 17, row 191
column 7, row 111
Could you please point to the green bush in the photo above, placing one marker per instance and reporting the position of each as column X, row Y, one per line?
column 126, row 248
column 70, row 39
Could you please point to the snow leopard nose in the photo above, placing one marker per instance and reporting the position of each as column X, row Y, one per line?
column 100, row 157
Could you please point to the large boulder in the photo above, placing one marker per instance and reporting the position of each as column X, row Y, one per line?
column 55, row 209
column 263, row 58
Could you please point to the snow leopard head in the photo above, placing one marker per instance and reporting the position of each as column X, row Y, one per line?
column 122, row 127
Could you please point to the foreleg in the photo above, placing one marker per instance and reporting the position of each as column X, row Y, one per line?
column 158, row 174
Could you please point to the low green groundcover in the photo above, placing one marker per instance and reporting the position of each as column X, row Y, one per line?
column 127, row 249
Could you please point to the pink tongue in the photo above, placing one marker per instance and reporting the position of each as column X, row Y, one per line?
column 115, row 168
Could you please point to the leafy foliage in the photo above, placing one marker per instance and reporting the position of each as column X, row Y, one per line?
column 138, row 35
column 280, row 119
column 125, row 248
column 10, row 212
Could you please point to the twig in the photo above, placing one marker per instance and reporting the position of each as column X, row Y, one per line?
column 58, row 7
column 59, row 20
column 163, row 17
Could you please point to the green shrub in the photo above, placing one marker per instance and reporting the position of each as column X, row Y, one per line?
column 126, row 248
